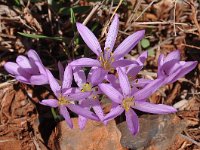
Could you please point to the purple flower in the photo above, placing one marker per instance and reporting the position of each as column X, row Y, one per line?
column 89, row 85
column 107, row 59
column 132, row 98
column 28, row 70
column 171, row 68
column 67, row 97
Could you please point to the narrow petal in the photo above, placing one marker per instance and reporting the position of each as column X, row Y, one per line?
column 41, row 67
column 12, row 68
column 149, row 89
column 124, row 83
column 24, row 63
column 97, row 76
column 79, row 96
column 122, row 63
column 61, row 70
column 55, row 87
column 65, row 114
column 85, row 62
column 33, row 55
column 118, row 110
column 89, row 38
column 173, row 55
column 142, row 57
column 83, row 112
column 79, row 76
column 141, row 82
column 22, row 79
column 186, row 68
column 154, row 108
column 67, row 79
column 39, row 80
column 111, row 92
column 98, row 110
column 50, row 102
column 133, row 70
column 113, row 80
column 132, row 121
column 82, row 122
column 128, row 44
column 111, row 37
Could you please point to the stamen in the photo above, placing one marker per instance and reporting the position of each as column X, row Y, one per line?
column 127, row 103
column 87, row 87
column 63, row 101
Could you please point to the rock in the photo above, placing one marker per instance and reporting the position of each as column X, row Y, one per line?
column 157, row 132
column 95, row 136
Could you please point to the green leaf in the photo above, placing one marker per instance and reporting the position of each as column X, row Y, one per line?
column 145, row 43
column 151, row 52
column 76, row 9
column 39, row 36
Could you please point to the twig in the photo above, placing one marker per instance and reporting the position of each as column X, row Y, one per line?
column 145, row 9
column 191, row 46
column 175, row 18
column 194, row 15
column 190, row 139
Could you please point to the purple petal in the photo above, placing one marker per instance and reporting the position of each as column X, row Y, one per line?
column 24, row 63
column 50, row 102
column 65, row 114
column 169, row 67
column 12, row 68
column 89, row 38
column 141, row 82
column 83, row 112
column 186, row 68
column 133, row 70
column 82, row 122
column 79, row 96
column 111, row 37
column 97, row 76
column 22, row 79
column 124, row 83
column 85, row 62
column 116, row 111
column 113, row 80
column 98, row 109
column 68, row 77
column 41, row 67
column 79, row 76
column 55, row 87
column 154, row 108
column 128, row 44
column 132, row 121
column 33, row 55
column 142, row 57
column 61, row 70
column 149, row 89
column 121, row 63
column 39, row 79
column 173, row 55
column 111, row 92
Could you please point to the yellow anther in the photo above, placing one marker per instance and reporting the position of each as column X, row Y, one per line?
column 87, row 87
column 127, row 103
column 63, row 101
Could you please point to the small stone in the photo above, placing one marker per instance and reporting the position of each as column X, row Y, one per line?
column 95, row 136
column 180, row 105
column 157, row 132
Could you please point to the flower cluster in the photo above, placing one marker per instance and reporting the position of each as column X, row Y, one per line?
column 110, row 75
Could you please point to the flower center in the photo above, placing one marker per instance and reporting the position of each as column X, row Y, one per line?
column 63, row 101
column 127, row 103
column 106, row 63
column 87, row 87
